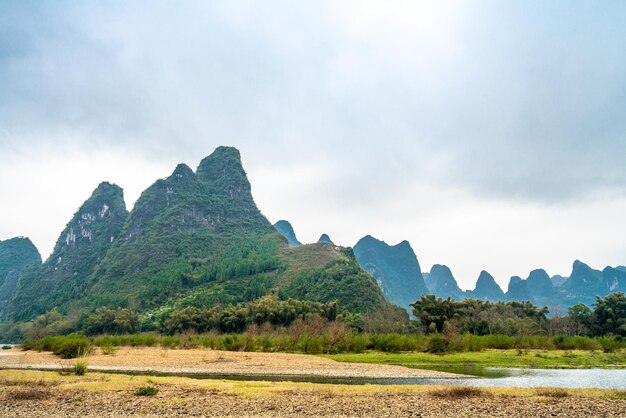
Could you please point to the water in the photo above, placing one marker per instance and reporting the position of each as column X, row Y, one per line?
column 529, row 378
column 489, row 377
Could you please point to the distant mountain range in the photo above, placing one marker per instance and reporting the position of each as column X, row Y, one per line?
column 397, row 272
column 197, row 238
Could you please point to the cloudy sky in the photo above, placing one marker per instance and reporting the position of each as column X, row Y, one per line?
column 490, row 135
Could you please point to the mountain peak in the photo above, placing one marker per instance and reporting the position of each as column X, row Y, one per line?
column 325, row 239
column 182, row 171
column 487, row 288
column 442, row 283
column 395, row 268
column 518, row 290
column 286, row 230
column 221, row 162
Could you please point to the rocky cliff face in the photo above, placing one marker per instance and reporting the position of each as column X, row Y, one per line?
column 395, row 268
column 441, row 283
column 285, row 229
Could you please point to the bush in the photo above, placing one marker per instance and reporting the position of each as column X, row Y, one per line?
column 460, row 392
column 609, row 345
column 437, row 344
column 6, row 347
column 146, row 391
column 80, row 368
column 65, row 346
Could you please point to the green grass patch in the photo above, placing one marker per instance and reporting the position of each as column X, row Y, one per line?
column 492, row 358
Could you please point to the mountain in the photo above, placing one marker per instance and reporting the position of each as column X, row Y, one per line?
column 16, row 255
column 395, row 268
column 541, row 288
column 285, row 229
column 583, row 284
column 325, row 239
column 558, row 280
column 486, row 288
column 442, row 283
column 614, row 279
column 191, row 239
column 518, row 290
column 622, row 268
column 84, row 242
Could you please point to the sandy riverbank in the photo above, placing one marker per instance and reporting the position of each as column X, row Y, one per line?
column 28, row 393
column 203, row 361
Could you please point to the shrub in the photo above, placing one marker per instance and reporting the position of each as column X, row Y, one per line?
column 146, row 391
column 66, row 346
column 6, row 347
column 437, row 344
column 80, row 368
column 609, row 345
column 460, row 392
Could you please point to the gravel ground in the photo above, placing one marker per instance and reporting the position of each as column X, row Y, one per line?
column 181, row 401
column 216, row 362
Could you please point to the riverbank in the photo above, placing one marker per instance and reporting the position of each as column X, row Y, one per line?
column 492, row 358
column 207, row 362
column 29, row 393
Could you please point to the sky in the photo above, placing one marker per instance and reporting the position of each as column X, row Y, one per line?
column 490, row 135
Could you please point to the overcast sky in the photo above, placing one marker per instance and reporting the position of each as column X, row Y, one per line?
column 489, row 134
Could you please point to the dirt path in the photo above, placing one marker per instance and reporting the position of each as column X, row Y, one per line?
column 215, row 362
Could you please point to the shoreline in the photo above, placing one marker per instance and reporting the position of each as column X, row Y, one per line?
column 220, row 363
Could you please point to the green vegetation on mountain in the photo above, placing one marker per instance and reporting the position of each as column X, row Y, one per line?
column 61, row 281
column 16, row 255
column 192, row 240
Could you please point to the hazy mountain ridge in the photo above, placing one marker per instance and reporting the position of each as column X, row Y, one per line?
column 395, row 268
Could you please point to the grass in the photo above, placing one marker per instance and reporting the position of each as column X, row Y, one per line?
column 11, row 381
column 553, row 392
column 492, row 358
